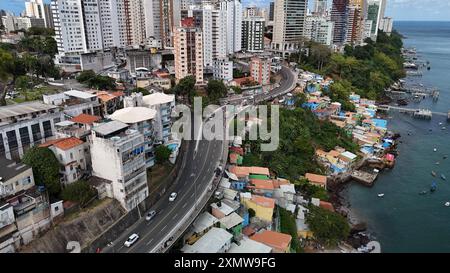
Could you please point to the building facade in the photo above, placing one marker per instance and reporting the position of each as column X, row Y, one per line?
column 253, row 34
column 223, row 70
column 319, row 29
column 260, row 70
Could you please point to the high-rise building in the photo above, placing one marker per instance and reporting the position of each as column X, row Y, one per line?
column 251, row 11
column 233, row 9
column 153, row 20
column 117, row 154
column 271, row 11
column 375, row 14
column 288, row 24
column 188, row 48
column 319, row 29
column 38, row 9
column 112, row 23
column 213, row 23
column 170, row 16
column 339, row 14
column 260, row 70
column 253, row 34
column 386, row 25
column 320, row 7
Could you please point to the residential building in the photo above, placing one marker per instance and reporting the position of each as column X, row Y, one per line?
column 223, row 70
column 355, row 21
column 319, row 29
column 213, row 23
column 71, row 154
column 263, row 206
column 386, row 25
column 253, row 34
column 288, row 24
column 279, row 242
column 188, row 53
column 140, row 119
column 13, row 23
column 79, row 126
column 233, row 9
column 375, row 13
column 216, row 240
column 75, row 102
column 247, row 245
column 201, row 226
column 153, row 20
column 24, row 208
column 138, row 59
column 317, row 180
column 117, row 155
column 24, row 125
column 260, row 70
column 110, row 101
column 339, row 14
column 38, row 9
column 233, row 224
column 320, row 7
column 271, row 11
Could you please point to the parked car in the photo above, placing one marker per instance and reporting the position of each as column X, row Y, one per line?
column 173, row 196
column 150, row 215
column 131, row 240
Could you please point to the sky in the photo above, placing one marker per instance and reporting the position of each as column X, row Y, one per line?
column 417, row 10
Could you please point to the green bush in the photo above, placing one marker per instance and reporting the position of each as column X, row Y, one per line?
column 329, row 228
column 80, row 192
column 162, row 154
column 289, row 226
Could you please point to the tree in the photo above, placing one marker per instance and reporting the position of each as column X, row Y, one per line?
column 45, row 168
column 6, row 67
column 162, row 154
column 79, row 191
column 185, row 88
column 85, row 76
column 216, row 90
column 329, row 228
column 288, row 226
column 93, row 80
column 140, row 90
column 24, row 83
column 251, row 213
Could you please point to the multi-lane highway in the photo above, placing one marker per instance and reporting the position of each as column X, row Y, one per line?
column 198, row 169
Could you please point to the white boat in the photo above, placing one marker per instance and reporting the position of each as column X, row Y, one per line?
column 447, row 204
column 435, row 149
column 381, row 195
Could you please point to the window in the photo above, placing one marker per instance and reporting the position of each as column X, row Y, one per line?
column 36, row 131
column 71, row 156
column 26, row 181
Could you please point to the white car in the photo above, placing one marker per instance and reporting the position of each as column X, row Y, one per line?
column 131, row 240
column 173, row 196
column 150, row 215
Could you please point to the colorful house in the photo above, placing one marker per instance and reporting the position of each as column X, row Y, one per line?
column 232, row 223
column 263, row 206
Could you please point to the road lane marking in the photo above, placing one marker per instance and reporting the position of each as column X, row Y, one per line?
column 164, row 227
column 175, row 216
column 151, row 240
column 184, row 205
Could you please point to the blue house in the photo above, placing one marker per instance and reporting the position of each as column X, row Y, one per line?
column 238, row 185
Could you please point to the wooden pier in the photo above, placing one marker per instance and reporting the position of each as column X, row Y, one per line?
column 416, row 113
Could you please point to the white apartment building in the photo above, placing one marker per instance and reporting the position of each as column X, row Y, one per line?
column 233, row 9
column 223, row 69
column 214, row 40
column 112, row 23
column 253, row 34
column 319, row 29
column 140, row 119
column 153, row 20
column 386, row 25
column 117, row 155
column 13, row 23
column 188, row 51
column 163, row 104
column 38, row 9
column 71, row 154
column 289, row 17
column 26, row 124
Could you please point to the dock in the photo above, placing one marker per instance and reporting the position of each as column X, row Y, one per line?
column 366, row 178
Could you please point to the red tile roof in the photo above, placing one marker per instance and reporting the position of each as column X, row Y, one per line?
column 263, row 201
column 316, row 179
column 85, row 119
column 326, row 205
column 261, row 184
column 273, row 239
column 68, row 143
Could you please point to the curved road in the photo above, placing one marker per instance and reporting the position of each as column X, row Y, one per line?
column 198, row 169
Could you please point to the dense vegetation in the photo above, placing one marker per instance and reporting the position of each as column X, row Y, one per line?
column 162, row 154
column 301, row 133
column 80, row 192
column 93, row 80
column 45, row 168
column 329, row 228
column 185, row 89
column 288, row 226
column 32, row 57
column 311, row 191
column 216, row 90
column 366, row 70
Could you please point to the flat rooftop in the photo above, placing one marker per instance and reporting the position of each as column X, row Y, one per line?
column 10, row 169
column 24, row 109
column 109, row 127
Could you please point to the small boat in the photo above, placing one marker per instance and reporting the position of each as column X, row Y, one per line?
column 440, row 123
column 437, row 163
column 433, row 187
column 445, row 157
column 443, row 177
column 447, row 204
column 381, row 195
column 423, row 192
column 435, row 150
column 433, row 173
column 444, row 128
